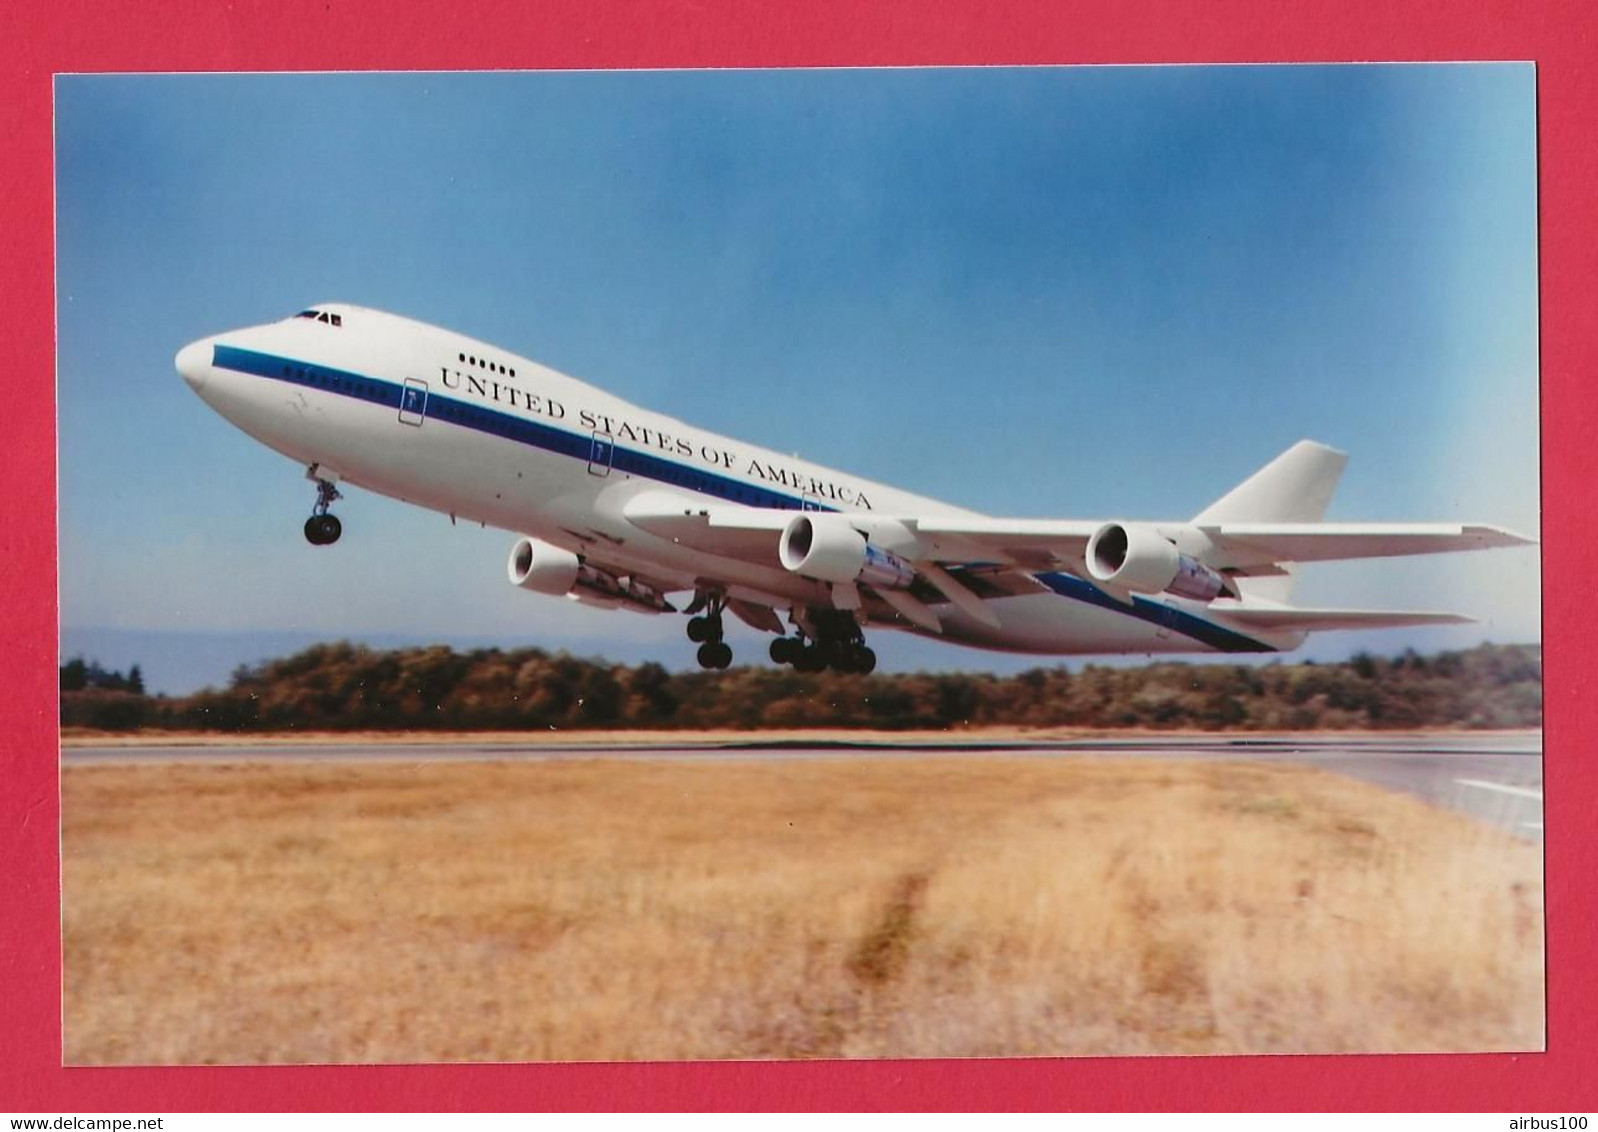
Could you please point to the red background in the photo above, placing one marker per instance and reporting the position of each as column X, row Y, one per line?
column 91, row 35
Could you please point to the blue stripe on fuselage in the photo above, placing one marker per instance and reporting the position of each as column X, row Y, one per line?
column 493, row 422
column 1156, row 613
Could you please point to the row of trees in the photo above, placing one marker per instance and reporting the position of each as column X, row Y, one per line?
column 78, row 675
column 349, row 687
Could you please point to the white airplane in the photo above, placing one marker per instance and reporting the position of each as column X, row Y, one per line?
column 619, row 507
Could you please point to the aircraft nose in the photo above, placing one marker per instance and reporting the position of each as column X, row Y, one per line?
column 194, row 363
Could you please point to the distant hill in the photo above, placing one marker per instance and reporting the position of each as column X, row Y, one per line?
column 343, row 686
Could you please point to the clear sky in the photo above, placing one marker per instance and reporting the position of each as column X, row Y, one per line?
column 1065, row 292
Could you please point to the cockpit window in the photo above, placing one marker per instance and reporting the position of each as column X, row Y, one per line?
column 322, row 316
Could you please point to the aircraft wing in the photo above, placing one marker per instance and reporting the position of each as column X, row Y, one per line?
column 728, row 530
column 1045, row 542
column 1258, row 544
column 752, row 533
column 1237, row 555
column 1038, row 544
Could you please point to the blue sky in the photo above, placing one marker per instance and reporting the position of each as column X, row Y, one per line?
column 1048, row 292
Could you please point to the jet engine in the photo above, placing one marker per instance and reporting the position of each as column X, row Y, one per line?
column 543, row 568
column 1139, row 558
column 825, row 547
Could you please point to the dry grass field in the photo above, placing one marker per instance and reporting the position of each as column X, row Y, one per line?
column 612, row 738
column 787, row 908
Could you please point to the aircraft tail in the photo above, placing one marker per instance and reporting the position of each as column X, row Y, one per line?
column 1296, row 487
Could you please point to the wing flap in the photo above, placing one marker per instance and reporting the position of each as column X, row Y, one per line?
column 1289, row 619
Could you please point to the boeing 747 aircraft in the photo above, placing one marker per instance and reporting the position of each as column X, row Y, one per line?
column 622, row 508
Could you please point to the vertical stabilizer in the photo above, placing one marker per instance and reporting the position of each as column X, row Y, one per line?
column 1296, row 487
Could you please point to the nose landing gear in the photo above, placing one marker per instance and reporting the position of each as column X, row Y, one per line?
column 322, row 528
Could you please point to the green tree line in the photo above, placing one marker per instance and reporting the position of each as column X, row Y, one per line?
column 344, row 686
column 78, row 675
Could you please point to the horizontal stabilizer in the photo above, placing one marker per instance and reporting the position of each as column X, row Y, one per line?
column 1281, row 618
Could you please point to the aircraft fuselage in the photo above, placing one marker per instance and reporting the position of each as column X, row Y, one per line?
column 444, row 421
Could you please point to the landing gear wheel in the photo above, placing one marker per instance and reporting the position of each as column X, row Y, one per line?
column 323, row 530
column 833, row 654
column 714, row 654
column 825, row 638
column 699, row 630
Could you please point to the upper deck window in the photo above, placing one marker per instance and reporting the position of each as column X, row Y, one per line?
column 484, row 363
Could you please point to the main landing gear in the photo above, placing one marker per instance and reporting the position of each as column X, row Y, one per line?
column 826, row 638
column 322, row 528
column 706, row 630
column 837, row 643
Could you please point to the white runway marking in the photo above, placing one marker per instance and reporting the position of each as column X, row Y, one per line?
column 1517, row 791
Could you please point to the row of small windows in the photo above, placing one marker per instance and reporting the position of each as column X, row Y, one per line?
column 491, row 367
column 681, row 477
column 333, row 381
column 667, row 472
column 323, row 316
column 497, row 423
column 673, row 474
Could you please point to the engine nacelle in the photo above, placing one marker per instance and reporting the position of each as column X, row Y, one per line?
column 825, row 547
column 538, row 566
column 1138, row 558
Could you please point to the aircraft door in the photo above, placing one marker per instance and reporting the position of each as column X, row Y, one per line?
column 413, row 402
column 600, row 455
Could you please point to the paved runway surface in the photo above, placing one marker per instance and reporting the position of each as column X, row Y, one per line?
column 1494, row 778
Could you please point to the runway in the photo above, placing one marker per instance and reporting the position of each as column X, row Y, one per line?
column 1494, row 778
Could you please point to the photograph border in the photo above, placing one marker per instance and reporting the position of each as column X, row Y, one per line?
column 295, row 35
